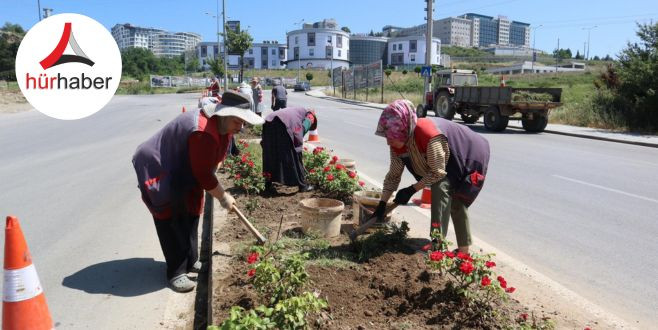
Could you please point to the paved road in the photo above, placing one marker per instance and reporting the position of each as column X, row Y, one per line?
column 582, row 212
column 72, row 186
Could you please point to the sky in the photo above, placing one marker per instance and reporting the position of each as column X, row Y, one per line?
column 611, row 23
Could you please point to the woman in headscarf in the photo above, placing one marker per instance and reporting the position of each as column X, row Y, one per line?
column 283, row 141
column 257, row 93
column 448, row 157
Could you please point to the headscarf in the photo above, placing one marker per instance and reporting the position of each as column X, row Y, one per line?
column 397, row 121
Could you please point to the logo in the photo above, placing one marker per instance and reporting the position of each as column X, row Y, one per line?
column 58, row 77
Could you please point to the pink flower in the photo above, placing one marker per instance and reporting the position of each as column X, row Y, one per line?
column 466, row 267
column 252, row 258
column 351, row 174
column 251, row 272
column 426, row 247
column 330, row 177
column 510, row 289
column 305, row 149
column 485, row 281
column 361, row 183
column 436, row 256
column 490, row 264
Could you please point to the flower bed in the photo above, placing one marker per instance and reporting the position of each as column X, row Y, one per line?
column 379, row 282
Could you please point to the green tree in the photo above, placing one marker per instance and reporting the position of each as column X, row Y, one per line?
column 11, row 36
column 239, row 42
column 216, row 66
column 597, row 58
column 417, row 70
column 139, row 63
column 309, row 76
column 578, row 56
column 193, row 64
column 404, row 72
column 372, row 33
column 346, row 29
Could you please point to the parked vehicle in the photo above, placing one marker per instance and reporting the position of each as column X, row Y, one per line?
column 457, row 91
column 302, row 86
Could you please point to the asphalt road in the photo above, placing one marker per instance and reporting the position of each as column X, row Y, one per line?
column 583, row 212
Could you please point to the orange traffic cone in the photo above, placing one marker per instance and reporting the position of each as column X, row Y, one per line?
column 425, row 200
column 23, row 301
column 313, row 136
column 183, row 109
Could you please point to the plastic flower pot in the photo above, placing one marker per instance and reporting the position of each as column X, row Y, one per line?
column 322, row 216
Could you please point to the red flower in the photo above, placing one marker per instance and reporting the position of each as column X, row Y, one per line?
column 327, row 169
column 305, row 149
column 251, row 272
column 524, row 316
column 490, row 264
column 450, row 254
column 351, row 174
column 466, row 267
column 503, row 283
column 426, row 247
column 587, row 328
column 331, row 162
column 340, row 166
column 317, row 150
column 334, row 158
column 244, row 158
column 435, row 225
column 485, row 281
column 252, row 258
column 510, row 289
column 464, row 256
column 330, row 177
column 238, row 176
column 436, row 256
column 267, row 175
column 361, row 183
column 311, row 171
column 251, row 164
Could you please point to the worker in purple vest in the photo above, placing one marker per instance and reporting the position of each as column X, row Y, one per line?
column 282, row 143
column 176, row 165
column 448, row 157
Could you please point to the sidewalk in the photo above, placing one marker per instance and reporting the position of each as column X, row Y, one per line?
column 582, row 132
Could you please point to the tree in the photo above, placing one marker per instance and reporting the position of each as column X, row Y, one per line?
column 11, row 36
column 388, row 72
column 404, row 72
column 239, row 42
column 309, row 76
column 562, row 53
column 607, row 58
column 139, row 63
column 417, row 70
column 372, row 33
column 578, row 56
column 193, row 64
column 216, row 66
column 346, row 29
column 597, row 58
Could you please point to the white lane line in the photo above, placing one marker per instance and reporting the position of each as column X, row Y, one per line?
column 606, row 188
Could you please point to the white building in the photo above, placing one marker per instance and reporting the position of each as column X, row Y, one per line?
column 315, row 45
column 411, row 50
column 451, row 31
column 265, row 55
column 162, row 43
column 528, row 67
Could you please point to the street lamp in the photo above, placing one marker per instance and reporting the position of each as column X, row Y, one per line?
column 534, row 50
column 298, row 58
column 589, row 29
column 331, row 56
column 217, row 17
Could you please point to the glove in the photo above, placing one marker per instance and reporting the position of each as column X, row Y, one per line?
column 380, row 211
column 227, row 201
column 404, row 195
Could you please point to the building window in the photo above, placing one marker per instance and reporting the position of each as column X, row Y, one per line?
column 273, row 51
column 296, row 40
column 310, row 41
column 395, row 47
column 339, row 41
column 339, row 53
column 412, row 46
column 282, row 52
column 273, row 63
column 397, row 58
column 412, row 57
column 251, row 51
column 204, row 51
column 263, row 51
column 311, row 52
column 264, row 64
column 329, row 40
column 399, row 46
column 296, row 53
column 328, row 51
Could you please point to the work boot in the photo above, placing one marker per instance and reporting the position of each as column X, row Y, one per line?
column 181, row 283
column 196, row 268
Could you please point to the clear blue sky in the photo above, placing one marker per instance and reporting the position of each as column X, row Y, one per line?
column 270, row 20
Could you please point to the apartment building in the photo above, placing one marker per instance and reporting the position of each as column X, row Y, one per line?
column 318, row 45
column 162, row 43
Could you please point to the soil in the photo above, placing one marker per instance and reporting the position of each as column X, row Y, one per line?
column 247, row 134
column 391, row 289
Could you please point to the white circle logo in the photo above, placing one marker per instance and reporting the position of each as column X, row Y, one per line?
column 68, row 66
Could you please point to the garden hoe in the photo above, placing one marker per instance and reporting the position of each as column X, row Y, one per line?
column 249, row 226
column 371, row 221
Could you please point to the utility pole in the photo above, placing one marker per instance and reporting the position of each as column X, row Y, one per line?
column 39, row 10
column 534, row 50
column 331, row 46
column 428, row 45
column 557, row 54
column 225, row 48
column 589, row 29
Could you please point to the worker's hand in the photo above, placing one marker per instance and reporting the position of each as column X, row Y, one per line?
column 380, row 211
column 404, row 195
column 227, row 201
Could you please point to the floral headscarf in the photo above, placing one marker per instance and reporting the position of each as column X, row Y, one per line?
column 397, row 121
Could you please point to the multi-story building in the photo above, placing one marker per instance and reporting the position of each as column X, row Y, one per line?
column 265, row 55
column 500, row 31
column 410, row 51
column 368, row 49
column 318, row 45
column 162, row 43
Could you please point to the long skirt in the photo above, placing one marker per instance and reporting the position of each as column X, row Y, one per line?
column 279, row 156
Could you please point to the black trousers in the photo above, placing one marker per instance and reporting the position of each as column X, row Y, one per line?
column 280, row 104
column 178, row 240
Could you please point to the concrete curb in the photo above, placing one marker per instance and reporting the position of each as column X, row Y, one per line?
column 319, row 94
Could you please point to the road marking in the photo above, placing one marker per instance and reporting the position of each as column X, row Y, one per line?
column 606, row 188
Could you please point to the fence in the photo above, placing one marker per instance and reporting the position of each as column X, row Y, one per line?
column 175, row 81
column 359, row 77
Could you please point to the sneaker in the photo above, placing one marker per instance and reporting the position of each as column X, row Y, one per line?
column 181, row 283
column 196, row 268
